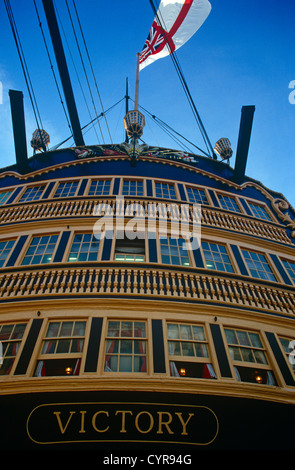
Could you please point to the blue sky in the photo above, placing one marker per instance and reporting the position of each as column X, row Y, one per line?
column 242, row 55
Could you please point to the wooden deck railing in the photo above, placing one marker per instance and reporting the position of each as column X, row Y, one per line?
column 89, row 207
column 145, row 281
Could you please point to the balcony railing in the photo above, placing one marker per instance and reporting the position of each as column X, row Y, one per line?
column 89, row 207
column 146, row 282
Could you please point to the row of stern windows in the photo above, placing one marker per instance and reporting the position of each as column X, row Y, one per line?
column 63, row 347
column 84, row 247
column 138, row 188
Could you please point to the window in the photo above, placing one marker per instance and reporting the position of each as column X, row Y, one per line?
column 32, row 194
column 258, row 265
column 216, row 257
column 290, row 267
column 85, row 247
column 197, row 196
column 99, row 188
column 285, row 342
column 165, row 190
column 40, row 250
column 5, row 249
column 10, row 337
column 4, row 196
column 62, row 349
column 248, row 356
column 228, row 203
column 126, row 347
column 130, row 250
column 66, row 189
column 132, row 188
column 188, row 351
column 259, row 211
column 173, row 251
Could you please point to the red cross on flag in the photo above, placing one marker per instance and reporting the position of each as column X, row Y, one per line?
column 175, row 23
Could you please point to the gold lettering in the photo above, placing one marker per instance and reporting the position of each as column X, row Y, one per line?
column 83, row 413
column 165, row 423
column 94, row 421
column 124, row 412
column 151, row 422
column 57, row 414
column 184, row 424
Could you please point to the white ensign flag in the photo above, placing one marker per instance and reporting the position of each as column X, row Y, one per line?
column 175, row 23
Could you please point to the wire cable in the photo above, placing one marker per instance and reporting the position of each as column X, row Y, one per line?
column 91, row 67
column 89, row 123
column 84, row 68
column 52, row 69
column 24, row 67
column 184, row 84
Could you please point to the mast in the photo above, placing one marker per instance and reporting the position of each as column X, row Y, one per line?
column 63, row 71
column 126, row 107
column 137, row 82
column 134, row 121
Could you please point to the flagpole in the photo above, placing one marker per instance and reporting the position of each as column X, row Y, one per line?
column 137, row 82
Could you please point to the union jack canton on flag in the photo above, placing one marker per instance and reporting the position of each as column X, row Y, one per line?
column 175, row 23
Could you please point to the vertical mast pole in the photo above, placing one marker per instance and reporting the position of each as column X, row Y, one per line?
column 63, row 70
column 126, row 107
column 137, row 82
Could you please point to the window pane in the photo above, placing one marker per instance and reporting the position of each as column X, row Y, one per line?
column 126, row 329
column 174, row 348
column 255, row 340
column 18, row 331
column 247, row 355
column 5, row 332
column 231, row 336
column 235, row 353
column 53, row 330
column 111, row 364
column 185, row 332
column 125, row 364
column 139, row 329
column 126, row 347
column 187, row 349
column 201, row 350
column 63, row 346
column 113, row 328
column 243, row 338
column 79, row 328
column 198, row 333
column 139, row 347
column 172, row 331
column 260, row 357
column 48, row 347
column 112, row 346
column 77, row 345
column 139, row 364
column 66, row 329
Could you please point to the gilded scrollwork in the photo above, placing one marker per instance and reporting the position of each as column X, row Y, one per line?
column 277, row 204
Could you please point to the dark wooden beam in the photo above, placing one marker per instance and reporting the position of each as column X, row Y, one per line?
column 243, row 143
column 63, row 70
column 19, row 129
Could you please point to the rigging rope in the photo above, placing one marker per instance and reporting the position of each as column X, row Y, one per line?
column 89, row 123
column 169, row 130
column 24, row 67
column 92, row 71
column 184, row 84
column 51, row 66
column 85, row 72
